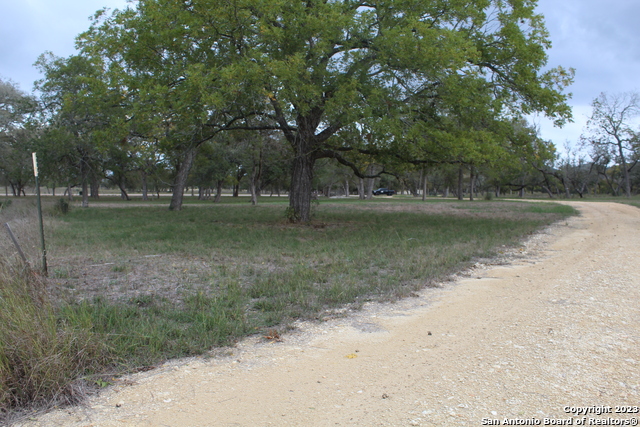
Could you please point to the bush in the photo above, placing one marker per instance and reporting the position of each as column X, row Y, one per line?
column 61, row 206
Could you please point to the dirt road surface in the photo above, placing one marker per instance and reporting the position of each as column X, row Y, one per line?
column 544, row 339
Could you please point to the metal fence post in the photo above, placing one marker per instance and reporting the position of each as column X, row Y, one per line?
column 44, row 250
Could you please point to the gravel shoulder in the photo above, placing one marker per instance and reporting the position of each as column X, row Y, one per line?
column 556, row 329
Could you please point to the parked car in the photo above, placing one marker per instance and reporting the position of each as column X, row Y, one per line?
column 384, row 191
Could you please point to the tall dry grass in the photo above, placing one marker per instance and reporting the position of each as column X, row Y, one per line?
column 42, row 361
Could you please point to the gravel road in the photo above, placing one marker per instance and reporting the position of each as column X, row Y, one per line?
column 552, row 338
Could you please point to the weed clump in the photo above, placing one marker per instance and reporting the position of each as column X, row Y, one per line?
column 42, row 361
column 61, row 207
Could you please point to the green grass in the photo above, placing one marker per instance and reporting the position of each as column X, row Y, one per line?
column 263, row 273
column 351, row 253
column 148, row 329
column 238, row 230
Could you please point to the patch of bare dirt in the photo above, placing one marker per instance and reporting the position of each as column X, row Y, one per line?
column 79, row 278
column 485, row 210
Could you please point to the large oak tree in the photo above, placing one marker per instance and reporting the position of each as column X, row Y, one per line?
column 321, row 71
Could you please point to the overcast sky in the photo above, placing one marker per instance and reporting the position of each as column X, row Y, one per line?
column 601, row 40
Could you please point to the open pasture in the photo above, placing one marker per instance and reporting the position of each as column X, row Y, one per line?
column 137, row 285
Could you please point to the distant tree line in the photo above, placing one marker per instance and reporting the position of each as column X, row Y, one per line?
column 310, row 97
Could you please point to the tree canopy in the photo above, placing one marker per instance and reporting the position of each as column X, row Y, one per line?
column 18, row 129
column 405, row 81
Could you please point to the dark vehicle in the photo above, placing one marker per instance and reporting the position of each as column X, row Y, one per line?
column 384, row 191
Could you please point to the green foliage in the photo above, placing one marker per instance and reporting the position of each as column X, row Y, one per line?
column 18, row 130
column 291, row 214
column 61, row 206
column 87, row 120
column 404, row 81
column 16, row 106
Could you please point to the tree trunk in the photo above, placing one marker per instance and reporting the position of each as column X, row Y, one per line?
column 180, row 180
column 361, row 194
column 423, row 177
column 545, row 188
column 218, row 191
column 203, row 192
column 369, row 188
column 123, row 193
column 346, row 188
column 370, row 182
column 145, row 190
column 301, row 180
column 254, row 184
column 567, row 189
column 254, row 194
column 472, row 183
column 610, row 184
column 460, row 178
column 84, row 174
column 627, row 181
column 95, row 187
column 240, row 173
column 85, row 194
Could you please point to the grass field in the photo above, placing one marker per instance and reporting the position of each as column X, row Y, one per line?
column 136, row 285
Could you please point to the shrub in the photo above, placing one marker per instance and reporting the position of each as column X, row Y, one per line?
column 61, row 206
